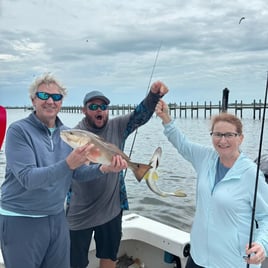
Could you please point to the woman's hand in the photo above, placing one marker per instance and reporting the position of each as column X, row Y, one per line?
column 256, row 252
column 162, row 111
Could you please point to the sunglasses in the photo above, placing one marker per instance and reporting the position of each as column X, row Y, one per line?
column 94, row 107
column 46, row 96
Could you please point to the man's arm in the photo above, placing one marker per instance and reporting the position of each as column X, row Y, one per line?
column 145, row 109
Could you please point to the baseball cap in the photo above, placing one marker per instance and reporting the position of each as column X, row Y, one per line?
column 95, row 95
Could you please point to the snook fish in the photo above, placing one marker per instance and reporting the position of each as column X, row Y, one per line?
column 151, row 177
column 103, row 151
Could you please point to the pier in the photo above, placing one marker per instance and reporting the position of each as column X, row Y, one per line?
column 184, row 110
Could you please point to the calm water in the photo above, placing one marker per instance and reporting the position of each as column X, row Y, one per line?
column 174, row 171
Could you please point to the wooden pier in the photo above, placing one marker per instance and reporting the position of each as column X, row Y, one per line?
column 183, row 109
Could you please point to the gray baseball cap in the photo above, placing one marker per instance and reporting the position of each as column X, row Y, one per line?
column 95, row 95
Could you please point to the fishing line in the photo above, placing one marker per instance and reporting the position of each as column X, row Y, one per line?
column 258, row 168
column 148, row 88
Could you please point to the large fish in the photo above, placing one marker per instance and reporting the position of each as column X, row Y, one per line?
column 151, row 177
column 104, row 152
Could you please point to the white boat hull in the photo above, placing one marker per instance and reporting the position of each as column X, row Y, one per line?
column 148, row 240
column 151, row 242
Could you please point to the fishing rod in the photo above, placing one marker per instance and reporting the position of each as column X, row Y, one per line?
column 258, row 169
column 148, row 88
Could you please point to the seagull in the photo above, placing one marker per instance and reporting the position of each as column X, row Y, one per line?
column 241, row 19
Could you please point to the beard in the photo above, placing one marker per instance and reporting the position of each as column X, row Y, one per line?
column 97, row 122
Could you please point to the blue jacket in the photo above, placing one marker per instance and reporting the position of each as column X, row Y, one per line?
column 221, row 225
column 37, row 175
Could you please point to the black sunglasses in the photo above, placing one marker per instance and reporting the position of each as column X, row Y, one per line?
column 46, row 96
column 94, row 107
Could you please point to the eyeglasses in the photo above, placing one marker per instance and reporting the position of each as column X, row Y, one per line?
column 94, row 106
column 226, row 135
column 46, row 96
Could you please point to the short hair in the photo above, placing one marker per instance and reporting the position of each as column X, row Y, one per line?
column 229, row 118
column 46, row 78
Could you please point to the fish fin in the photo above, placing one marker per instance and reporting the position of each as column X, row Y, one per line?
column 179, row 193
column 139, row 169
column 146, row 176
column 154, row 175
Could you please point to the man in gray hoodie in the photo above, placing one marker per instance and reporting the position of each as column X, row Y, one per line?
column 39, row 169
column 98, row 206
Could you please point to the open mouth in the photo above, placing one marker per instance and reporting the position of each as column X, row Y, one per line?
column 99, row 117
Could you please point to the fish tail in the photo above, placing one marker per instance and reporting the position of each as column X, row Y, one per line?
column 139, row 169
column 179, row 193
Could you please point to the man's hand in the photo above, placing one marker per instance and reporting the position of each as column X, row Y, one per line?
column 117, row 164
column 159, row 87
column 79, row 156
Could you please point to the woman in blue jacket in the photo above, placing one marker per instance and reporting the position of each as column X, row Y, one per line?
column 224, row 196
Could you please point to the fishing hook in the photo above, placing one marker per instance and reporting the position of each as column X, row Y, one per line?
column 258, row 168
column 148, row 88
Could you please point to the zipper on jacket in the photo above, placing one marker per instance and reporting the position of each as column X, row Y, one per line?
column 51, row 142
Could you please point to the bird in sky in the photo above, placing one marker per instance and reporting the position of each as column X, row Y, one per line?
column 241, row 19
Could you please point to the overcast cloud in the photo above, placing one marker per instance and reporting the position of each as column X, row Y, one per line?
column 112, row 46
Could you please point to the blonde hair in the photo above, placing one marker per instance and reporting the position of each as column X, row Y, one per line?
column 229, row 118
column 46, row 78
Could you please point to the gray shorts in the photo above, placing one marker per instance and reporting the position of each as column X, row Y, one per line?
column 41, row 242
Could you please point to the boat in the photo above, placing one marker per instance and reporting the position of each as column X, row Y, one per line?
column 147, row 243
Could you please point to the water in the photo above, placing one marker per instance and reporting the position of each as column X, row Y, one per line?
column 174, row 171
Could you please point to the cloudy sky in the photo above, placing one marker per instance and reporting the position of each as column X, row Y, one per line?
column 112, row 45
